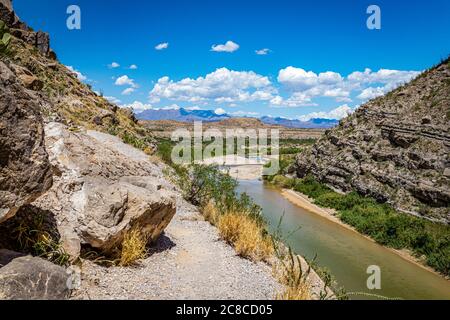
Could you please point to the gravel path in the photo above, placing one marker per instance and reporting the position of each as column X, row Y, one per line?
column 188, row 262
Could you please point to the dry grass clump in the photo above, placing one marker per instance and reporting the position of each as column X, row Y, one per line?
column 246, row 235
column 211, row 213
column 289, row 273
column 134, row 247
column 243, row 232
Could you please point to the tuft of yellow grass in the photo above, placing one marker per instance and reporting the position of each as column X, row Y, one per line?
column 246, row 235
column 134, row 247
column 300, row 292
column 211, row 213
column 288, row 271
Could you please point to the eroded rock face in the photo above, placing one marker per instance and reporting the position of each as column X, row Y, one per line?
column 40, row 40
column 25, row 171
column 31, row 278
column 394, row 148
column 102, row 188
column 7, row 14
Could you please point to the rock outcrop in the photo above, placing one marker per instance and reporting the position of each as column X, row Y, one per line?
column 25, row 171
column 39, row 39
column 30, row 278
column 102, row 188
column 394, row 148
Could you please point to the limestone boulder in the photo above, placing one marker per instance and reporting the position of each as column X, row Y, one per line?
column 103, row 188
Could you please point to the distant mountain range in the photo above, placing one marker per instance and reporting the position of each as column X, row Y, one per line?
column 184, row 115
column 317, row 123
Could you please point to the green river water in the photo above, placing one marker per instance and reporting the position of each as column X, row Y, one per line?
column 345, row 253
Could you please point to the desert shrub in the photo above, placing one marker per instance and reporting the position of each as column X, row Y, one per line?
column 290, row 150
column 201, row 184
column 310, row 187
column 285, row 161
column 283, row 182
column 134, row 247
column 132, row 139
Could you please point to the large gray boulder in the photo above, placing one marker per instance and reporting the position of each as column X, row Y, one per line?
column 25, row 171
column 30, row 278
column 102, row 189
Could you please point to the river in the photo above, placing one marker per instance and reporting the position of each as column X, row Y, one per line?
column 345, row 253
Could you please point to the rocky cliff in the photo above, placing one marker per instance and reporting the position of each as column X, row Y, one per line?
column 394, row 148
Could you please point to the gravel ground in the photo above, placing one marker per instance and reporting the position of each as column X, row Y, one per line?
column 188, row 262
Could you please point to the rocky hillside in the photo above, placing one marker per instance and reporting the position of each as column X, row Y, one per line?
column 61, row 95
column 69, row 178
column 394, row 148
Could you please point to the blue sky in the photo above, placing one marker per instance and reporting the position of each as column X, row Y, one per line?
column 317, row 63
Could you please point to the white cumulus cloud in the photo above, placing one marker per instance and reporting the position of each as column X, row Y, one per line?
column 162, row 46
column 385, row 76
column 222, row 86
column 113, row 100
column 229, row 46
column 337, row 114
column 298, row 78
column 220, row 111
column 125, row 81
column 262, row 52
column 113, row 65
column 133, row 67
column 128, row 91
column 138, row 106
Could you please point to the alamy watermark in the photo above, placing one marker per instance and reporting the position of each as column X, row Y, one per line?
column 73, row 22
column 374, row 280
column 374, row 20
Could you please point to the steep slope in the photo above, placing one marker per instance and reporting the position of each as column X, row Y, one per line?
column 394, row 148
column 62, row 96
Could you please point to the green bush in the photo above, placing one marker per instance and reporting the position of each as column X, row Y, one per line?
column 201, row 184
column 311, row 187
column 283, row 182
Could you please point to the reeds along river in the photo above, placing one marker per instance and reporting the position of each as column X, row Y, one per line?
column 345, row 253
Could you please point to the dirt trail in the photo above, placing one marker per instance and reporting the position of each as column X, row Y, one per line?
column 188, row 262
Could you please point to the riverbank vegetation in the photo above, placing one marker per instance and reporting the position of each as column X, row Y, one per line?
column 428, row 241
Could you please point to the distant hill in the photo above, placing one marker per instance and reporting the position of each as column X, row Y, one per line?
column 184, row 115
column 292, row 123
